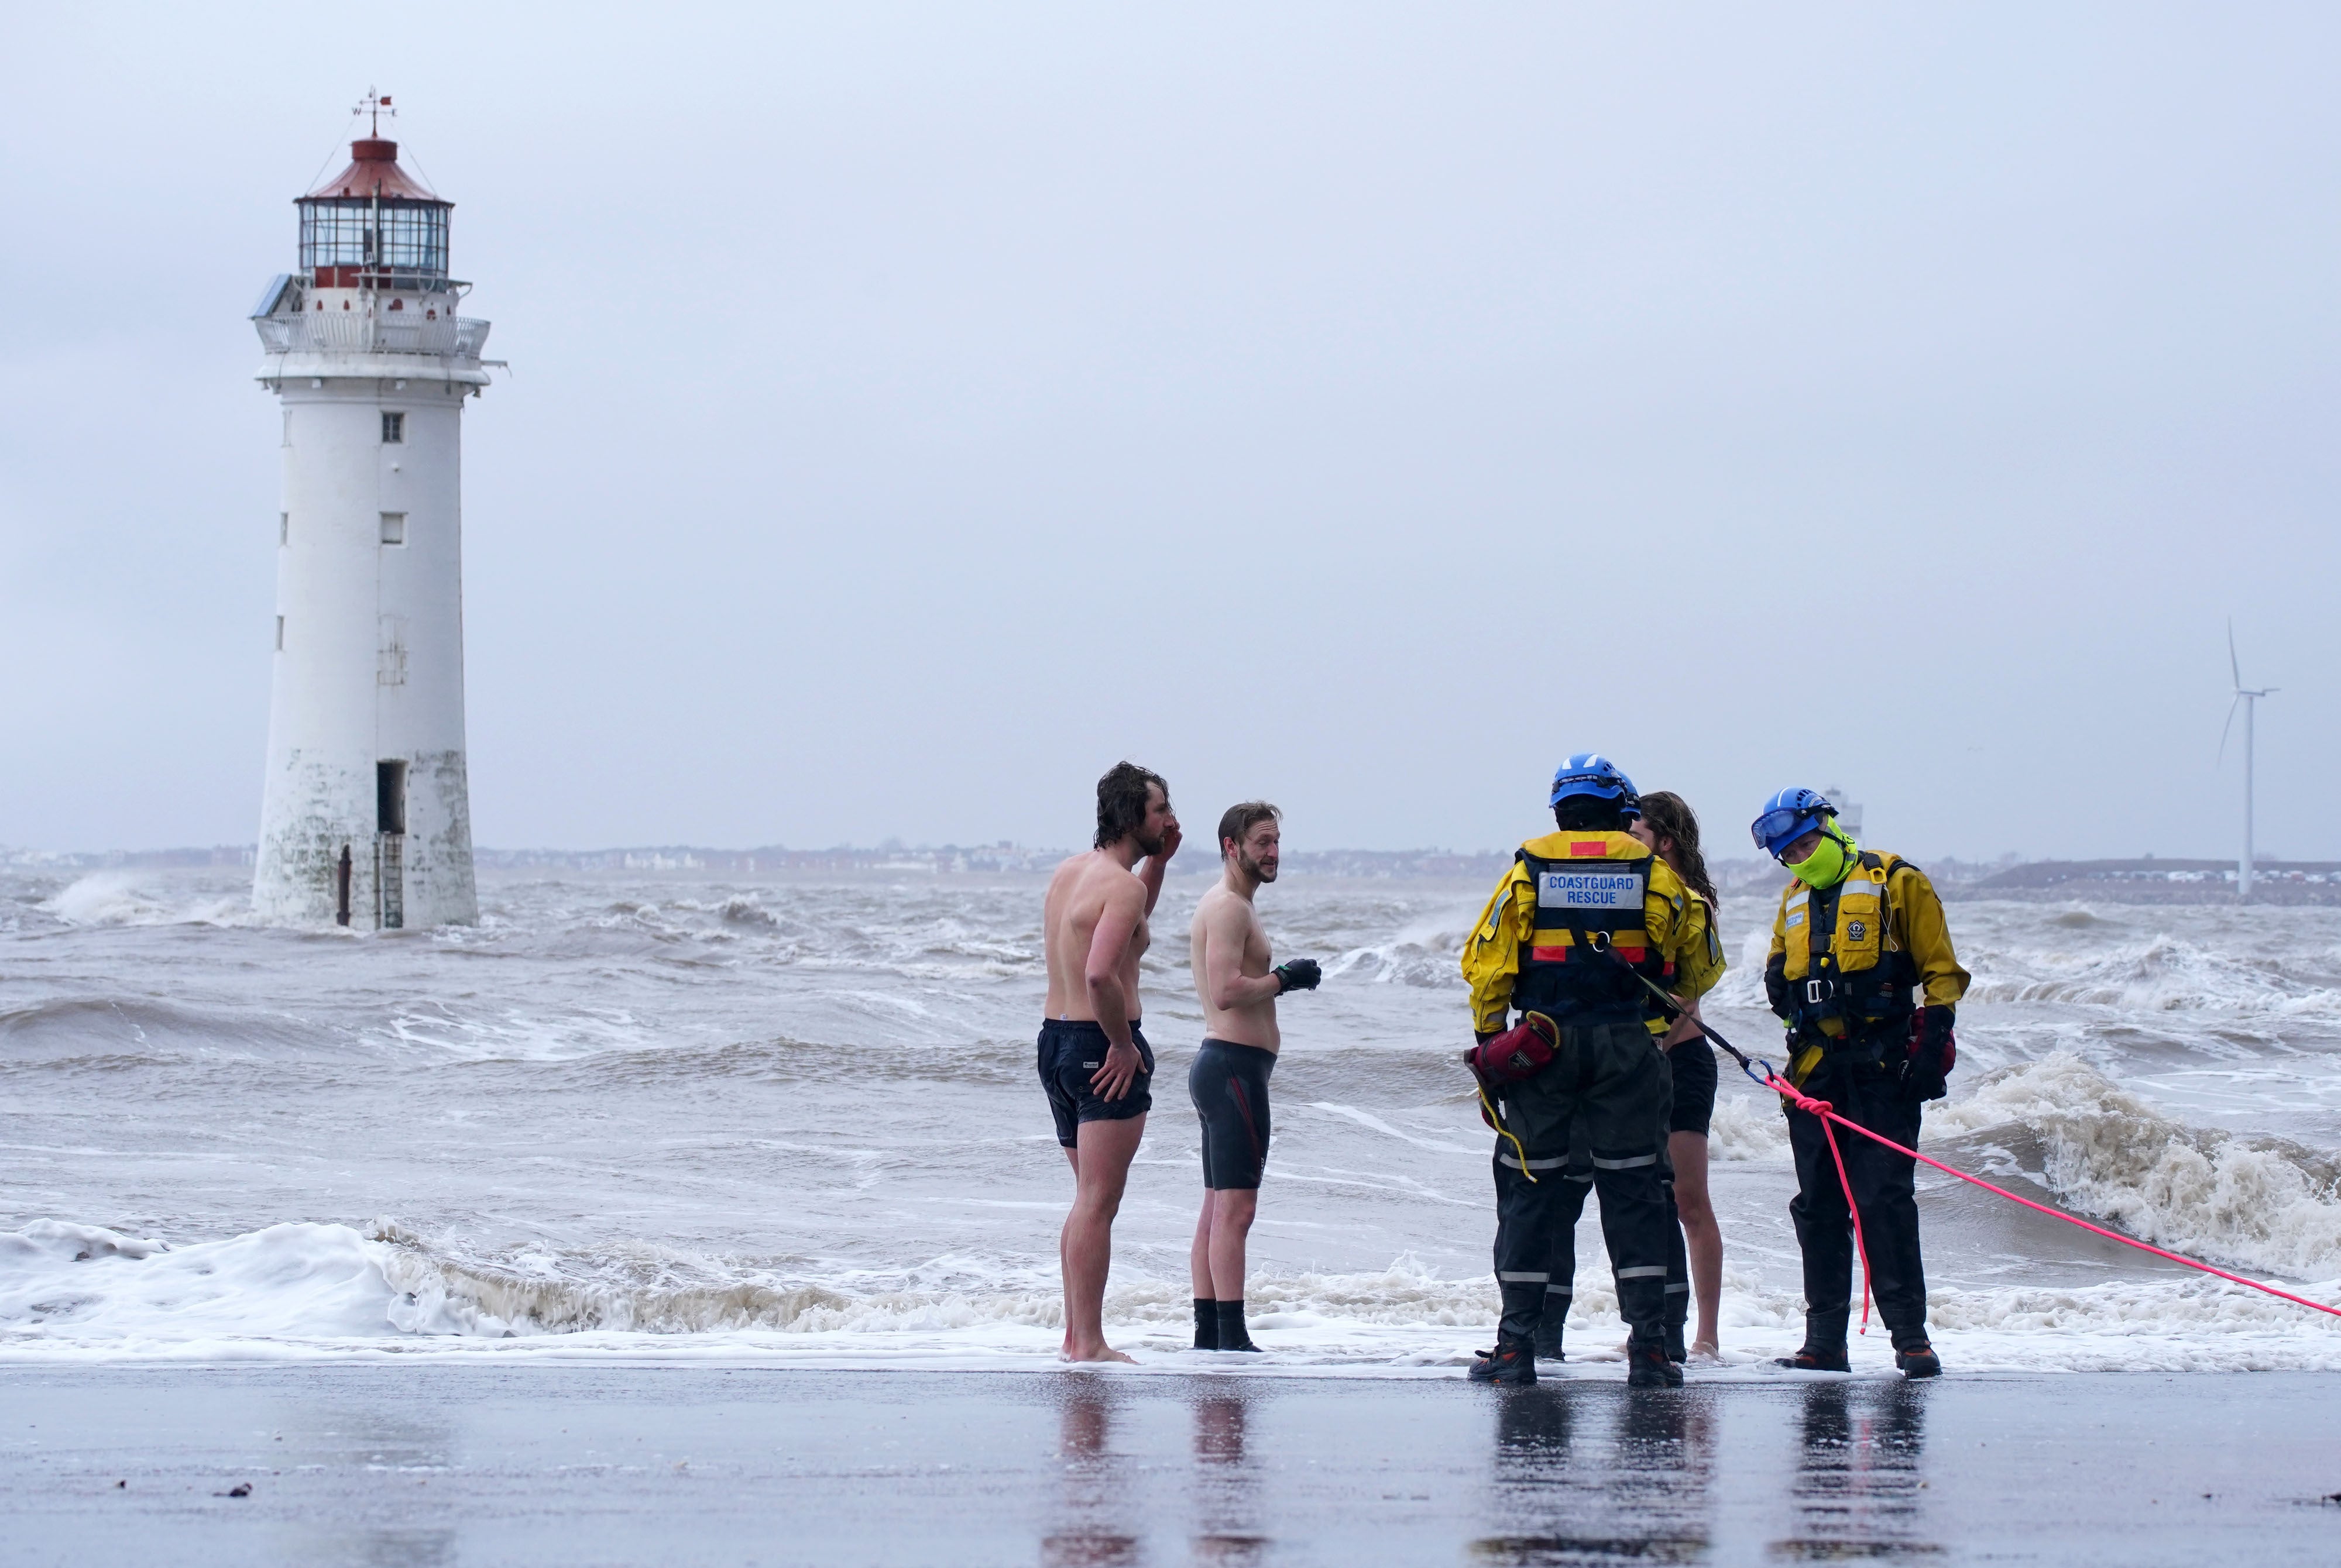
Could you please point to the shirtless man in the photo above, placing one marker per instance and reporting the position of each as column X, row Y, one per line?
column 1094, row 1063
column 1229, row 1082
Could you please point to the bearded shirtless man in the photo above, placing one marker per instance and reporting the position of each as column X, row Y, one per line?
column 1094, row 1063
column 1229, row 1082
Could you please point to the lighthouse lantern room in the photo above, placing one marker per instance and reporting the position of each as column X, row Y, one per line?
column 365, row 813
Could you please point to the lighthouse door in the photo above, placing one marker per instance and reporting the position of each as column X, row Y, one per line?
column 390, row 844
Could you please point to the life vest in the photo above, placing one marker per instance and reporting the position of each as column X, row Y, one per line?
column 1844, row 967
column 1589, row 939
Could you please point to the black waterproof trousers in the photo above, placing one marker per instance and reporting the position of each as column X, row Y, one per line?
column 1883, row 1185
column 1577, row 1176
column 1606, row 1095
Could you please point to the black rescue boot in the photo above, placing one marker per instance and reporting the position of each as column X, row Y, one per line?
column 1549, row 1332
column 1232, row 1335
column 1525, row 1317
column 1512, row 1360
column 1823, row 1348
column 1676, row 1353
column 1207, row 1324
column 1914, row 1357
column 1646, row 1366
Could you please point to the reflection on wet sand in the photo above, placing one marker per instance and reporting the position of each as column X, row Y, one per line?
column 1640, row 1493
column 372, row 1440
column 379, row 1548
column 1095, row 1498
column 1855, row 1489
column 1227, row 1486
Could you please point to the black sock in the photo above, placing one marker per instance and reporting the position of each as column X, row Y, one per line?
column 1207, row 1324
column 1231, row 1326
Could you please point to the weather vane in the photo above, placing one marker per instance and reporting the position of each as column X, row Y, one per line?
column 372, row 106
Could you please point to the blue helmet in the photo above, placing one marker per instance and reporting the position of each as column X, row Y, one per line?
column 1590, row 773
column 1788, row 817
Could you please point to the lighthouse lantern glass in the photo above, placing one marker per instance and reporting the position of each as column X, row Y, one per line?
column 394, row 245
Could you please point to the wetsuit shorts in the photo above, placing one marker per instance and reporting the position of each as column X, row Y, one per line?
column 1229, row 1084
column 1692, row 1064
column 1072, row 1051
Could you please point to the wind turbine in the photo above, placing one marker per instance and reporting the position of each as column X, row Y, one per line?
column 2248, row 700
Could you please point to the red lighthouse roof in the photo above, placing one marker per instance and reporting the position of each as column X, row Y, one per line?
column 373, row 171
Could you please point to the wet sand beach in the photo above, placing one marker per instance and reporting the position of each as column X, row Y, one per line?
column 583, row 1464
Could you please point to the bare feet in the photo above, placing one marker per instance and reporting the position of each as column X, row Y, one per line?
column 1099, row 1352
column 1706, row 1350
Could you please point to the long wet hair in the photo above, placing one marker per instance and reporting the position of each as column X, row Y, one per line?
column 1669, row 817
column 1121, row 801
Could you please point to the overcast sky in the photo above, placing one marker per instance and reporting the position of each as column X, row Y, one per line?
column 913, row 411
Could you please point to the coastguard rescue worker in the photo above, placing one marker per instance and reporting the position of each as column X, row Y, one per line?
column 1584, row 916
column 1855, row 934
column 1669, row 826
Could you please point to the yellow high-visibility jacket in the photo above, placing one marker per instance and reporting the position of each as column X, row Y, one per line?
column 1884, row 934
column 1676, row 937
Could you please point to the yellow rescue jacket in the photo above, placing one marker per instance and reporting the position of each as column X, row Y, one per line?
column 1845, row 959
column 1564, row 883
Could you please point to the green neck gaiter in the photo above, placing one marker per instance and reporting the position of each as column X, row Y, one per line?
column 1828, row 864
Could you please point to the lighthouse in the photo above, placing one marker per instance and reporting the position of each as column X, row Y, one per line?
column 365, row 814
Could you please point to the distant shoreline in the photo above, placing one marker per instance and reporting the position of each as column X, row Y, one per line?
column 2145, row 880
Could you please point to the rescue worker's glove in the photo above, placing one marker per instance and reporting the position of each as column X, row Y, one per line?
column 1297, row 974
column 1933, row 1051
column 1776, row 987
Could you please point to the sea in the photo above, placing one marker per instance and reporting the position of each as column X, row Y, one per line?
column 668, row 1115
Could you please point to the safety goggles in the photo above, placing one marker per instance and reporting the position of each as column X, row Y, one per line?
column 1780, row 828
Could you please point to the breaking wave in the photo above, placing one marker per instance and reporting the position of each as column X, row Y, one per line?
column 300, row 1288
column 2162, row 975
column 120, row 898
column 2253, row 1202
column 1422, row 952
column 84, row 1285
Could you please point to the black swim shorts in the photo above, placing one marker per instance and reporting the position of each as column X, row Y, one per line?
column 1229, row 1084
column 1692, row 1064
column 1072, row 1051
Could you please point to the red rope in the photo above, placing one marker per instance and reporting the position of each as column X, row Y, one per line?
column 1822, row 1109
column 1854, row 1209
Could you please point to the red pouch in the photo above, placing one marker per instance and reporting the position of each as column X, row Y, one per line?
column 1518, row 1054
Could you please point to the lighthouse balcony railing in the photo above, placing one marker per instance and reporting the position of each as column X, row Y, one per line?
column 351, row 334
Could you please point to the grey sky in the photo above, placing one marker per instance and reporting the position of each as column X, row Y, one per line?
column 913, row 411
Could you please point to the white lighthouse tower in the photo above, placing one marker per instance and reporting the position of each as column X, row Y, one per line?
column 366, row 817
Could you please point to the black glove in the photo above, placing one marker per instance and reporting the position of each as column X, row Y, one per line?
column 1932, row 1053
column 1297, row 974
column 1776, row 987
